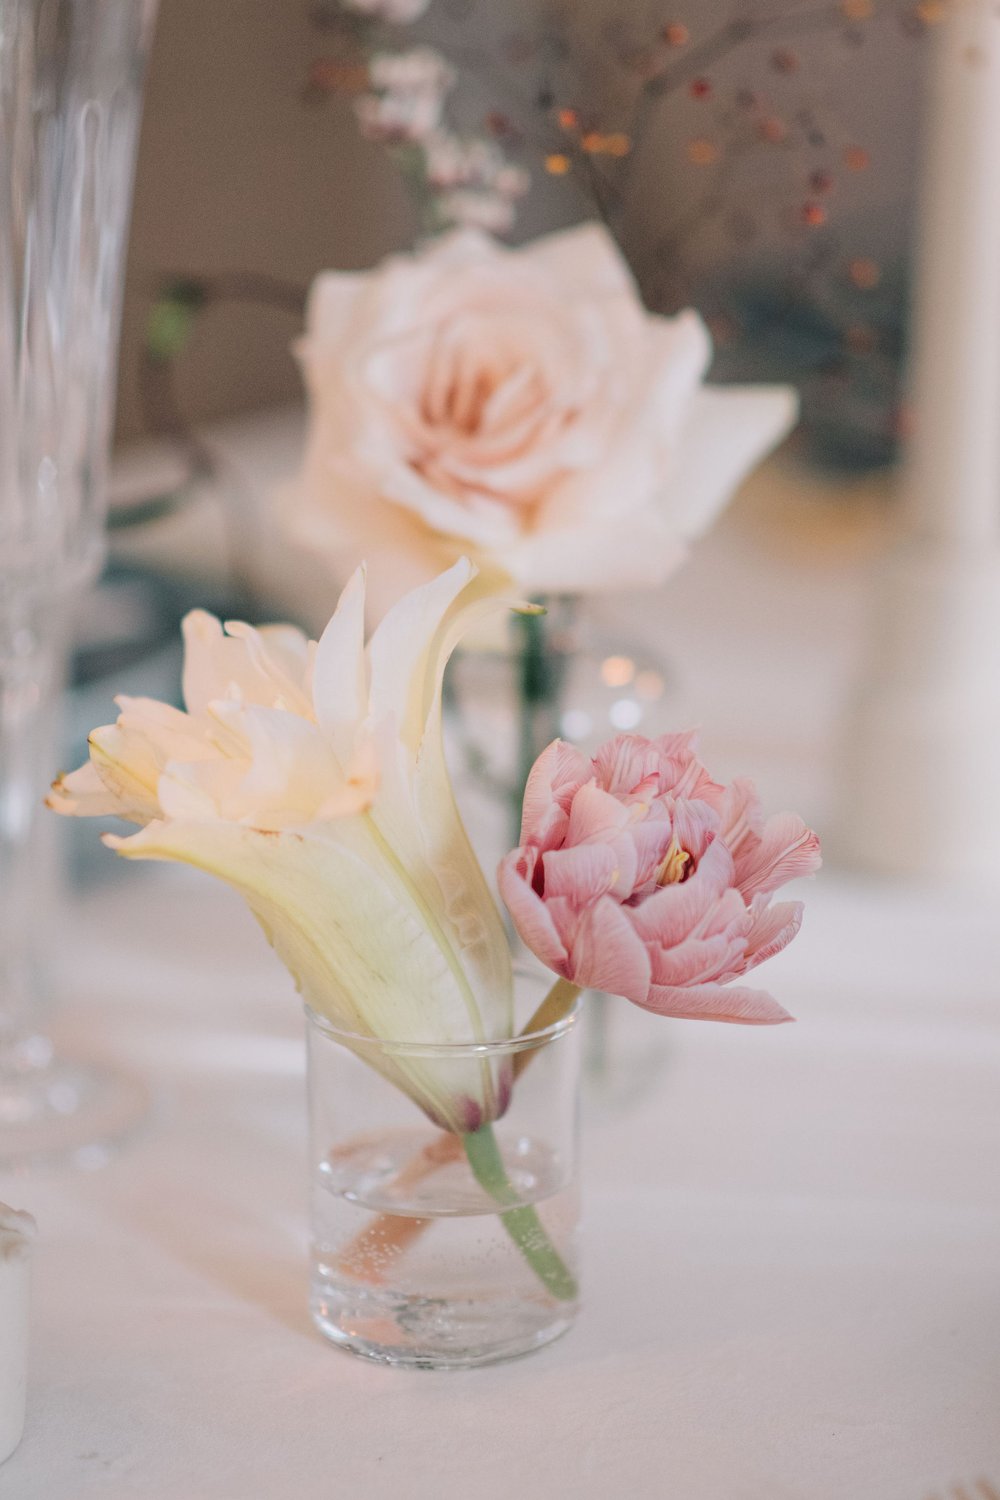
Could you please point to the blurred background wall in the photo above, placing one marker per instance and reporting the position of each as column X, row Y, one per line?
column 246, row 168
column 236, row 174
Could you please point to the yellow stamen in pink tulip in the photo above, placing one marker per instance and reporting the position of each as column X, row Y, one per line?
column 676, row 867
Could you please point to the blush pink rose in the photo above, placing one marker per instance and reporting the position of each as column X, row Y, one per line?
column 640, row 875
column 520, row 407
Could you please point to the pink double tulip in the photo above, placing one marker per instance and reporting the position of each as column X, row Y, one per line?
column 640, row 875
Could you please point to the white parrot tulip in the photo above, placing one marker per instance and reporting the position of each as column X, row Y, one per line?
column 311, row 777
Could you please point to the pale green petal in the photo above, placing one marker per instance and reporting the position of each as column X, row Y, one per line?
column 403, row 654
column 415, row 806
column 358, row 946
column 472, row 914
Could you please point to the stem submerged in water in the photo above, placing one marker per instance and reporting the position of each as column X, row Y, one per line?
column 389, row 1235
column 521, row 1221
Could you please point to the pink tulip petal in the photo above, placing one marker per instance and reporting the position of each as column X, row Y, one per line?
column 556, row 776
column 695, row 824
column 742, row 822
column 677, row 746
column 582, row 873
column 728, row 915
column 595, row 814
column 787, row 850
column 716, row 1002
column 697, row 961
column 771, row 929
column 651, row 840
column 606, row 953
column 623, row 846
column 675, row 912
column 529, row 913
column 624, row 762
column 681, row 772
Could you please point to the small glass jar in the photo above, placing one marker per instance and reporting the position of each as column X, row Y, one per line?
column 433, row 1249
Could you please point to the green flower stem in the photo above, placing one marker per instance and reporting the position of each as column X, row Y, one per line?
column 557, row 1004
column 540, row 674
column 392, row 1235
column 521, row 1222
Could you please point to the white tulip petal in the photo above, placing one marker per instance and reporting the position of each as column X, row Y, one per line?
column 175, row 734
column 292, row 767
column 82, row 794
column 340, row 672
column 206, row 659
column 199, row 791
column 402, row 657
column 128, row 767
column 415, row 807
column 279, row 670
column 358, row 947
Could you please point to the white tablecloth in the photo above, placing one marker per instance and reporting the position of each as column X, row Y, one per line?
column 793, row 1243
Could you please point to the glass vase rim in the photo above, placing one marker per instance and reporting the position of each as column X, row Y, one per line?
column 524, row 1041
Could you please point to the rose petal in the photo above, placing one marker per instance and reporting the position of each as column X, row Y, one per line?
column 754, row 420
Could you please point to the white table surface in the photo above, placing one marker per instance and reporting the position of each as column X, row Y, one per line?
column 792, row 1277
column 793, row 1244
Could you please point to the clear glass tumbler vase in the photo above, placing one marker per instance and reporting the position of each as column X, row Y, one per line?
column 71, row 77
column 437, row 1250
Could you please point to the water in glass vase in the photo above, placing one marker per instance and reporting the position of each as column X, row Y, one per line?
column 413, row 1264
